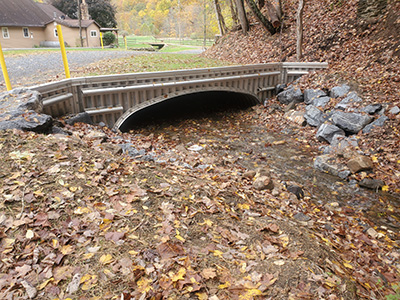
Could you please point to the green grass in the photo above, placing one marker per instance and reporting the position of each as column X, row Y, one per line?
column 175, row 48
column 149, row 63
column 143, row 41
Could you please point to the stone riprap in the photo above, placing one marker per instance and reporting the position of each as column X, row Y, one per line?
column 338, row 126
column 22, row 109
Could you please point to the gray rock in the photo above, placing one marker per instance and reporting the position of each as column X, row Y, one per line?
column 301, row 217
column 313, row 115
column 327, row 131
column 339, row 91
column 82, row 117
column 377, row 123
column 352, row 97
column 21, row 99
column 343, row 142
column 350, row 122
column 321, row 101
column 329, row 164
column 280, row 88
column 372, row 108
column 28, row 121
column 311, row 94
column 372, row 184
column 290, row 95
column 395, row 110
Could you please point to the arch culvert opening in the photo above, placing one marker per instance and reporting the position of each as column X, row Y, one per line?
column 190, row 106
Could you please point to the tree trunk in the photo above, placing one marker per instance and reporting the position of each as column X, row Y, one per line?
column 261, row 3
column 234, row 13
column 273, row 15
column 280, row 10
column 220, row 18
column 257, row 13
column 242, row 16
column 299, row 45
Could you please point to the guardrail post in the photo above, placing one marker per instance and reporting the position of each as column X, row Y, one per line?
column 4, row 68
column 63, row 53
column 101, row 40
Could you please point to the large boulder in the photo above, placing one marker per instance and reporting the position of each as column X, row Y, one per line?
column 311, row 94
column 339, row 91
column 28, row 121
column 351, row 97
column 350, row 122
column 313, row 115
column 22, row 109
column 327, row 131
column 372, row 108
column 329, row 164
column 321, row 101
column 377, row 123
column 360, row 163
column 290, row 94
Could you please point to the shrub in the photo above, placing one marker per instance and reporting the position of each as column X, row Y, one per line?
column 108, row 38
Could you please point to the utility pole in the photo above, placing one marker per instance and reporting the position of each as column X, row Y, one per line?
column 80, row 22
column 205, row 23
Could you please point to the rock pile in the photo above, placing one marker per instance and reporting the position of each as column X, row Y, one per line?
column 22, row 109
column 337, row 126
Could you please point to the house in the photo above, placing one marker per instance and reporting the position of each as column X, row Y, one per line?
column 28, row 24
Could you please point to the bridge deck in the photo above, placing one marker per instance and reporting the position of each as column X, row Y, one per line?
column 112, row 98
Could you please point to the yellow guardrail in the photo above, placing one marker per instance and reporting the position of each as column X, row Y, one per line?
column 63, row 52
column 4, row 68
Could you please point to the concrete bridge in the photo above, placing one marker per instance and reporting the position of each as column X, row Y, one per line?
column 114, row 99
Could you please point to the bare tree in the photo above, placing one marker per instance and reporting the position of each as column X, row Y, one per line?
column 221, row 22
column 234, row 13
column 242, row 16
column 258, row 14
column 299, row 45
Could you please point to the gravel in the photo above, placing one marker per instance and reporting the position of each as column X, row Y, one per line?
column 33, row 69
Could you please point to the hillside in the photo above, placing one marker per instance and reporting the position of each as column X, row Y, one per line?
column 361, row 43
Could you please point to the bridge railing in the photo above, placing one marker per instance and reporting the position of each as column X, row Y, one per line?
column 107, row 97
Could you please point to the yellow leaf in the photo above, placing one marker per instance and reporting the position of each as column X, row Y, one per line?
column 249, row 295
column 67, row 249
column 55, row 243
column 385, row 188
column 207, row 222
column 105, row 259
column 88, row 281
column 43, row 285
column 179, row 276
column 349, row 266
column 202, row 296
column 144, row 285
column 73, row 188
column 81, row 210
column 217, row 253
column 87, row 256
column 133, row 252
column 243, row 206
column 225, row 285
column 374, row 158
column 178, row 236
column 284, row 240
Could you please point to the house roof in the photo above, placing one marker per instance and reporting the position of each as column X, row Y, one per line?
column 22, row 13
column 26, row 13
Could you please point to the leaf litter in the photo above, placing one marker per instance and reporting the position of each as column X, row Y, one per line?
column 81, row 220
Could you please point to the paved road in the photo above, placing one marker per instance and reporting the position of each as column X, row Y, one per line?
column 26, row 70
column 32, row 69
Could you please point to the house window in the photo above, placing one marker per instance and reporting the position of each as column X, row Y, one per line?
column 25, row 31
column 93, row 33
column 5, row 32
column 55, row 32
